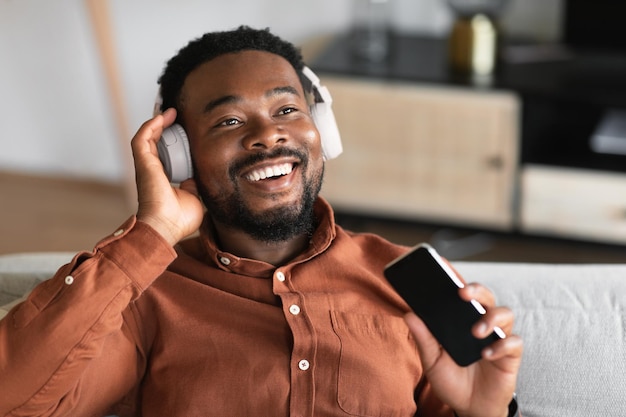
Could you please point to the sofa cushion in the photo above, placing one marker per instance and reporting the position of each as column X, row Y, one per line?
column 572, row 320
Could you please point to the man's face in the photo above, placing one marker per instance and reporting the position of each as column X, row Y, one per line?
column 256, row 152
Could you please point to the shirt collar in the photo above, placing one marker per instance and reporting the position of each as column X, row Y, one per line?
column 322, row 237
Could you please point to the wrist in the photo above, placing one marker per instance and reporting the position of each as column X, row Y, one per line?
column 512, row 411
column 160, row 227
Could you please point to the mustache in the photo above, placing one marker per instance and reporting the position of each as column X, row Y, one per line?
column 249, row 160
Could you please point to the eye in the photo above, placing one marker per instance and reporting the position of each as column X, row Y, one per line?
column 229, row 122
column 287, row 110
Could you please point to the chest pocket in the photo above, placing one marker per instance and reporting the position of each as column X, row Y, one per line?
column 378, row 366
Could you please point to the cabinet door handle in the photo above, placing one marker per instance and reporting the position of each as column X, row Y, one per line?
column 495, row 162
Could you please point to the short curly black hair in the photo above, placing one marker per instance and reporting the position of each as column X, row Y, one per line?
column 214, row 44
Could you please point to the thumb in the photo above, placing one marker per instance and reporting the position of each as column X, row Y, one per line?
column 430, row 350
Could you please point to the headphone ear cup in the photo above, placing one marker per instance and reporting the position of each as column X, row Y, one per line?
column 173, row 149
column 322, row 114
column 324, row 120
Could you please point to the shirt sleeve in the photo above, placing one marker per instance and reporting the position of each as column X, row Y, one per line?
column 67, row 343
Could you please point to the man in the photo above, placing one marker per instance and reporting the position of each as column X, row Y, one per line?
column 272, row 310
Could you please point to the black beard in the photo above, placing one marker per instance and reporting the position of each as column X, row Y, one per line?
column 272, row 226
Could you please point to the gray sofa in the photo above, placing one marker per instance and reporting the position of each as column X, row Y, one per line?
column 572, row 318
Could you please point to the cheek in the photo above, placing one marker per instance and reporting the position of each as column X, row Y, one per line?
column 314, row 143
column 209, row 167
column 316, row 164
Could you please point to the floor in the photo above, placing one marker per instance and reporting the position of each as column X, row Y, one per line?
column 479, row 245
column 52, row 214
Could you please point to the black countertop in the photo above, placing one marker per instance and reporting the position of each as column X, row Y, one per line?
column 555, row 72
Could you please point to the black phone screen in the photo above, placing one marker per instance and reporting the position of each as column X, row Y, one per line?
column 430, row 287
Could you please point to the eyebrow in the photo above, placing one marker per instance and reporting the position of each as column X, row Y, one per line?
column 230, row 99
column 282, row 90
column 211, row 105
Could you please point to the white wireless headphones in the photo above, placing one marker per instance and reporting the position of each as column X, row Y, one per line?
column 174, row 151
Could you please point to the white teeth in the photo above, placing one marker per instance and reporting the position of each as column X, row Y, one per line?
column 269, row 172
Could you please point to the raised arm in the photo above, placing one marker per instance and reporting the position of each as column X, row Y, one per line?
column 68, row 346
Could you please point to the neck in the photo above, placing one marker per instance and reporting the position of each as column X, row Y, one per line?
column 243, row 245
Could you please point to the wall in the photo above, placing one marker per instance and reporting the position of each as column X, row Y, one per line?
column 56, row 110
column 53, row 111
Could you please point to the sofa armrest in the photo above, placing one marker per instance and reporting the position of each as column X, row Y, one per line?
column 571, row 318
column 20, row 273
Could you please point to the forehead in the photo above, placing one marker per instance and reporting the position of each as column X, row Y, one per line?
column 240, row 72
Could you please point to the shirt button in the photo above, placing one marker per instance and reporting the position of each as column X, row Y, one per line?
column 304, row 364
column 224, row 260
column 118, row 232
column 280, row 276
column 69, row 280
column 294, row 309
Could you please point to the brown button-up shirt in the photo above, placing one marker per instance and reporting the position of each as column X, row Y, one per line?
column 214, row 334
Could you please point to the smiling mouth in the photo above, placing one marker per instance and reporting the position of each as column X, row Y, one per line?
column 270, row 172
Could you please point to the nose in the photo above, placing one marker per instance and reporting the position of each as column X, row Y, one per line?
column 264, row 134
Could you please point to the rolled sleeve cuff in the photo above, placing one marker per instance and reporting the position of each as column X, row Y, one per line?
column 138, row 250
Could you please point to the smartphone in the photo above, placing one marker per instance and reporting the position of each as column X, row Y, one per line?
column 431, row 288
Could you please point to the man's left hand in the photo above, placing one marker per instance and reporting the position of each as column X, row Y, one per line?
column 484, row 388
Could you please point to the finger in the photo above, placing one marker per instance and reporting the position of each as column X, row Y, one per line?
column 144, row 147
column 478, row 292
column 170, row 116
column 501, row 317
column 150, row 132
column 510, row 348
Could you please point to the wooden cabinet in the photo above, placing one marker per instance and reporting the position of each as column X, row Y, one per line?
column 424, row 152
column 426, row 144
column 573, row 203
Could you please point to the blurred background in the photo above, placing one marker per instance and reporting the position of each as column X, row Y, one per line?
column 58, row 112
column 78, row 77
